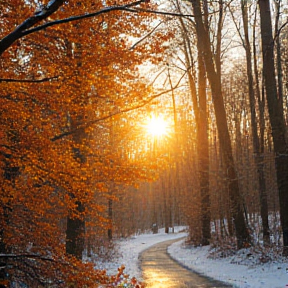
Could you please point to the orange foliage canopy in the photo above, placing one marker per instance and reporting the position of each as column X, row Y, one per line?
column 58, row 87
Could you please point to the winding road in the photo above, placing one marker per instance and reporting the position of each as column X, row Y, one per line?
column 161, row 271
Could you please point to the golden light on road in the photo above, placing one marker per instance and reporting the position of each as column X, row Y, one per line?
column 157, row 126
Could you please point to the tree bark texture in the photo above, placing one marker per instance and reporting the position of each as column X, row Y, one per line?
column 198, row 96
column 275, row 115
column 203, row 151
column 75, row 234
column 255, row 138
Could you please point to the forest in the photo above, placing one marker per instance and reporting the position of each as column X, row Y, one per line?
column 84, row 85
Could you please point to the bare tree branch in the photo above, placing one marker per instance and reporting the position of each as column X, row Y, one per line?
column 24, row 28
column 280, row 30
column 33, row 256
column 164, row 13
column 38, row 16
column 102, row 11
column 27, row 80
column 146, row 36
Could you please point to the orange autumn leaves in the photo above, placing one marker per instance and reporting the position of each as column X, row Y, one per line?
column 88, row 72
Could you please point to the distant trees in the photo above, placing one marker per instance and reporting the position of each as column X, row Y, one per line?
column 215, row 81
column 238, row 75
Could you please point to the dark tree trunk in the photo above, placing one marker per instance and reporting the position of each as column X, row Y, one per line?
column 261, row 104
column 203, row 152
column 275, row 110
column 75, row 234
column 110, row 217
column 3, row 250
column 256, row 142
column 200, row 111
column 203, row 142
column 10, row 174
column 242, row 234
column 278, row 55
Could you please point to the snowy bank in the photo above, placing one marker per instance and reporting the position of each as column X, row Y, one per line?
column 230, row 270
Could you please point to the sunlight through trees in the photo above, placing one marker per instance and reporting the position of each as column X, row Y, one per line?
column 120, row 116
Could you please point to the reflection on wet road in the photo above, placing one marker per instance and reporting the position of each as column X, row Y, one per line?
column 161, row 271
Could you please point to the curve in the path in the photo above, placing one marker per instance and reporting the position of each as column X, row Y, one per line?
column 161, row 271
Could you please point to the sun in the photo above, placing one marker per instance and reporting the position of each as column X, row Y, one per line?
column 157, row 126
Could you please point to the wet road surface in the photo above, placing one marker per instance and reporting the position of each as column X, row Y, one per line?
column 161, row 271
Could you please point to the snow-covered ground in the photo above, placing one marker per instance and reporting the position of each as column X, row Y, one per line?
column 242, row 270
column 239, row 270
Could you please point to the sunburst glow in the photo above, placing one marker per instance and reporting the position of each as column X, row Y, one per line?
column 157, row 126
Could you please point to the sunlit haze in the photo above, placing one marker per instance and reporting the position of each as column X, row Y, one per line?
column 157, row 126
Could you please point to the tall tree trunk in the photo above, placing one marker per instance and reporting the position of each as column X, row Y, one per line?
column 255, row 138
column 176, row 176
column 10, row 174
column 110, row 217
column 75, row 234
column 218, row 37
column 261, row 104
column 4, row 249
column 200, row 111
column 75, row 231
column 203, row 151
column 276, row 116
column 242, row 234
column 75, row 240
column 278, row 54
